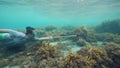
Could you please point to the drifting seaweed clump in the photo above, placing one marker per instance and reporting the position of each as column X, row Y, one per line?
column 85, row 33
column 113, row 51
column 76, row 61
column 97, row 54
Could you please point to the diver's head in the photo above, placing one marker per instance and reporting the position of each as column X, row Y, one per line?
column 30, row 32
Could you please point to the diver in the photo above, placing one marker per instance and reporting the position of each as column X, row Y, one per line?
column 9, row 36
column 14, row 41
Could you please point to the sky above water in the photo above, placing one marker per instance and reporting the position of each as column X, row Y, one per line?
column 17, row 14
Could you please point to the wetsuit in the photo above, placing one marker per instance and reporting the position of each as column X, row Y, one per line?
column 12, row 37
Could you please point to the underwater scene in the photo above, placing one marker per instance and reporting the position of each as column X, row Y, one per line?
column 59, row 33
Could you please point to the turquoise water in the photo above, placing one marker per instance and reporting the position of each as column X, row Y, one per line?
column 38, row 13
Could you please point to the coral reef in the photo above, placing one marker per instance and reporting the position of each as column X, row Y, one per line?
column 97, row 54
column 76, row 61
column 113, row 51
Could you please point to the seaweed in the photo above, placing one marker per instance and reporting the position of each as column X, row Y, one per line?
column 97, row 54
column 46, row 56
column 84, row 33
column 76, row 61
column 113, row 51
column 45, row 52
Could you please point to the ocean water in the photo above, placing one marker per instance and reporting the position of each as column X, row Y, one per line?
column 79, row 47
column 17, row 14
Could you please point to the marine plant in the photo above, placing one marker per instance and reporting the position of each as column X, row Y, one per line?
column 46, row 63
column 113, row 51
column 84, row 33
column 100, row 56
column 45, row 52
column 45, row 57
column 73, row 60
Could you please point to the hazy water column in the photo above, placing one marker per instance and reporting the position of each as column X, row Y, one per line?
column 20, row 13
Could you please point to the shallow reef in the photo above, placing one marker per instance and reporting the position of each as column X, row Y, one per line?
column 84, row 33
column 73, row 60
column 62, row 53
column 113, row 51
column 98, row 55
column 108, row 37
column 45, row 52
column 46, row 56
column 110, row 26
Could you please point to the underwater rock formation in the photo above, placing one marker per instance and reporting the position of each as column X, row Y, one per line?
column 76, row 61
column 113, row 51
column 84, row 33
column 112, row 26
column 101, row 58
column 108, row 37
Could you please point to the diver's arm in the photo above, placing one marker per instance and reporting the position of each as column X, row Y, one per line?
column 4, row 31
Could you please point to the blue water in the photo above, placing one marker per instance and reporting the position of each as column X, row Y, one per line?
column 39, row 13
